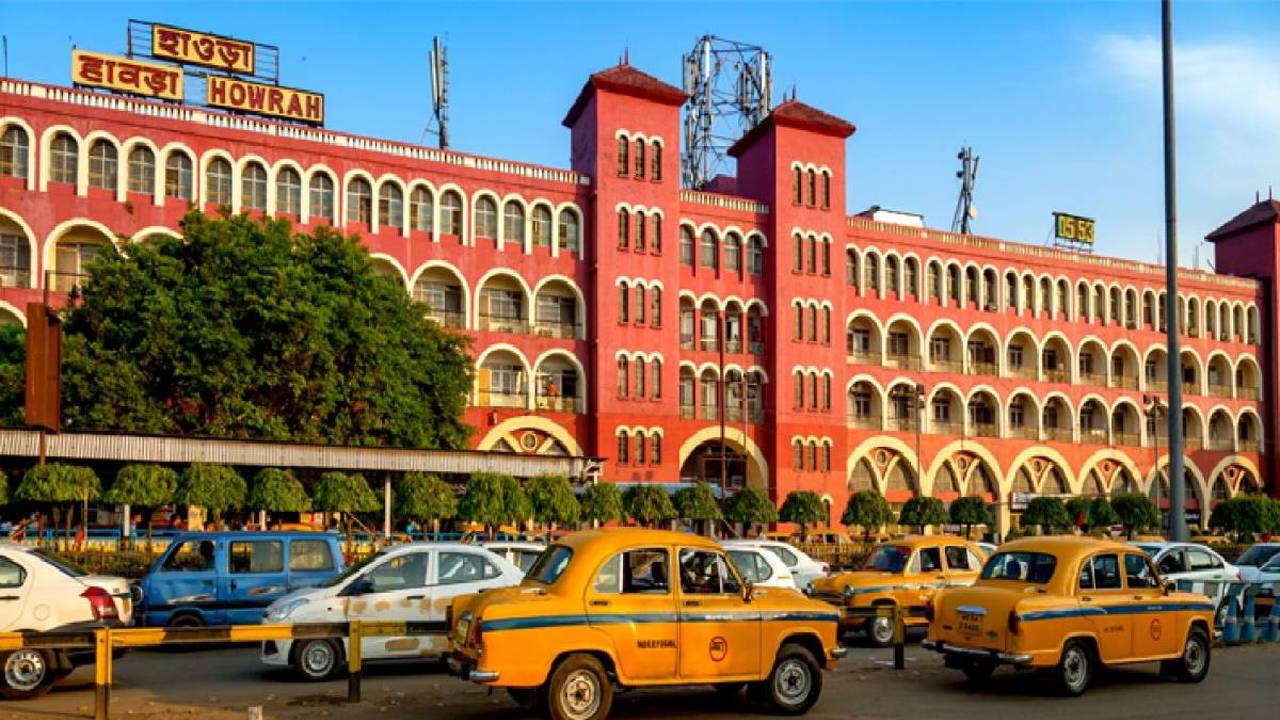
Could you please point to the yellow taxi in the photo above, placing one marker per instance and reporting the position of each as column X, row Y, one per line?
column 636, row 608
column 1070, row 605
column 906, row 574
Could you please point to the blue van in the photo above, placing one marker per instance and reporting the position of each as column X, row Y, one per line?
column 229, row 578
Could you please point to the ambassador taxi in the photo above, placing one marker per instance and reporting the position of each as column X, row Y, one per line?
column 631, row 608
column 1069, row 605
column 904, row 573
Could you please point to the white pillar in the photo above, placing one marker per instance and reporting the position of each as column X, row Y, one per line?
column 126, row 522
column 386, row 508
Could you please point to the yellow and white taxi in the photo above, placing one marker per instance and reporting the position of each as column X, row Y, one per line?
column 905, row 574
column 633, row 608
column 1070, row 605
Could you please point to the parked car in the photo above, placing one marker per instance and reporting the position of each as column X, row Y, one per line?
column 1259, row 556
column 1069, row 606
column 804, row 569
column 824, row 537
column 229, row 578
column 762, row 568
column 1196, row 563
column 40, row 593
column 520, row 554
column 414, row 582
column 629, row 608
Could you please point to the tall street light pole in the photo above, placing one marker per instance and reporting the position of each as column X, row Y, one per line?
column 1177, row 483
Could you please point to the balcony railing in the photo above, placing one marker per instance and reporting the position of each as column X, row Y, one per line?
column 559, row 404
column 1024, row 432
column 905, row 424
column 1024, row 372
column 945, row 365
column 733, row 413
column 1222, row 391
column 1093, row 436
column 502, row 399
column 1094, row 379
column 686, row 412
column 1192, row 443
column 556, row 329
column 1126, row 438
column 865, row 422
column 1248, row 445
column 1061, row 434
column 1056, row 375
column 1220, row 443
column 1124, row 382
column 945, row 427
column 503, row 323
column 686, row 342
column 982, row 368
column 864, row 358
column 708, row 412
column 904, row 362
column 65, row 281
column 709, row 344
column 447, row 319
column 1157, row 385
column 1248, row 392
column 985, row 429
column 733, row 346
column 1190, row 388
column 14, row 276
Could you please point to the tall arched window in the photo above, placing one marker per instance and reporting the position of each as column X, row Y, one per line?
column 540, row 226
column 390, row 206
column 755, row 255
column 655, row 379
column 655, row 312
column 103, row 165
column 178, row 180
column 569, row 229
column 655, row 161
column 64, row 159
column 422, row 210
column 686, row 246
column 656, row 239
column 624, row 377
column 732, row 253
column 624, row 302
column 642, row 228
column 217, row 182
column 359, row 202
column 451, row 213
column 320, row 198
column 624, row 229
column 624, row 147
column 142, row 170
column 797, row 253
column 813, row 188
column 624, row 447
column 826, row 257
column 639, row 163
column 288, row 192
column 253, row 187
column 826, row 190
column 710, row 255
column 14, row 152
column 796, row 186
column 486, row 218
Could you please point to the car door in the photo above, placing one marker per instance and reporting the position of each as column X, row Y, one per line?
column 14, row 589
column 962, row 565
column 1172, row 564
column 720, row 632
column 188, row 578
column 255, row 576
column 392, row 590
column 631, row 601
column 753, row 568
column 1155, row 629
column 311, row 562
column 925, row 575
column 1104, row 602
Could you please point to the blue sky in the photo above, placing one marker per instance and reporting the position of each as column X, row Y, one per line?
column 1060, row 99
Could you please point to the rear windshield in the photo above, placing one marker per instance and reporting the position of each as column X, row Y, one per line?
column 1258, row 555
column 550, row 565
column 888, row 558
column 1027, row 567
column 65, row 566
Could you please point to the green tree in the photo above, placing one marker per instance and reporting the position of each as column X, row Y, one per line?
column 868, row 510
column 698, row 503
column 552, row 500
column 1246, row 516
column 145, row 487
column 648, row 504
column 602, row 503
column 55, row 484
column 216, row 488
column 13, row 375
column 426, row 499
column 493, row 499
column 276, row 490
column 923, row 511
column 1136, row 512
column 804, row 508
column 1101, row 513
column 4, row 488
column 243, row 328
column 348, row 494
column 970, row 511
column 1047, row 512
column 750, row 506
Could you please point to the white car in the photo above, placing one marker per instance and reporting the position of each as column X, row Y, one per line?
column 520, row 554
column 1260, row 563
column 804, row 569
column 40, row 593
column 415, row 582
column 761, row 567
column 1195, row 563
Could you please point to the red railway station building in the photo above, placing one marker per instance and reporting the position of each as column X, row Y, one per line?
column 608, row 305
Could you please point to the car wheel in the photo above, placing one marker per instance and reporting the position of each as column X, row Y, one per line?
column 186, row 620
column 1075, row 669
column 579, row 689
column 978, row 673
column 795, row 682
column 1194, row 664
column 28, row 673
column 316, row 660
column 880, row 631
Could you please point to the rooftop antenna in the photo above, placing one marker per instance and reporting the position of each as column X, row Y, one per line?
column 730, row 88
column 438, row 59
column 6, row 54
column 966, row 211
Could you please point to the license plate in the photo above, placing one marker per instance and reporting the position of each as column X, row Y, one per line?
column 970, row 623
column 460, row 634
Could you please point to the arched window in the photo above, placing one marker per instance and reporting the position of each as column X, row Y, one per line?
column 686, row 246
column 253, row 187
column 655, row 382
column 359, row 202
column 826, row 190
column 451, row 213
column 656, row 240
column 142, row 170
column 624, row 446
column 797, row 454
column 624, row 377
column 541, row 227
column 568, row 230
column 732, row 253
column 513, row 223
column 642, row 227
column 710, row 254
column 796, row 186
column 64, row 159
column 798, row 379
column 288, row 192
column 655, row 449
column 755, row 255
column 486, row 218
column 14, row 152
column 813, row 188
column 640, row 304
column 655, row 161
column 639, row 163
column 624, row 302
column 178, row 181
column 640, row 376
column 103, row 165
column 797, row 253
column 390, row 206
column 624, row 229
column 640, row 460
column 421, row 210
column 320, row 198
column 217, row 182
column 624, row 147
column 655, row 313
column 826, row 257
column 826, row 325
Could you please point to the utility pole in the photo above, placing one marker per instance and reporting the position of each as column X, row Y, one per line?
column 1177, row 483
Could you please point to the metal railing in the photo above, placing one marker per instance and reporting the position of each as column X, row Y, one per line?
column 1021, row 371
column 710, row 344
column 1024, row 432
column 901, row 424
column 983, row 368
column 1158, row 385
column 65, row 281
column 945, row 427
column 558, row 404
column 945, row 365
column 1222, row 391
column 863, row 358
column 1190, row 388
column 1095, row 379
column 902, row 362
column 686, row 412
column 557, row 329
column 1056, row 375
column 1093, row 436
column 686, row 342
column 11, row 276
column 1124, row 382
column 708, row 412
column 985, row 429
column 865, row 422
column 502, row 323
column 1126, row 438
column 755, row 347
column 733, row 346
column 502, row 399
column 1062, row 434
column 447, row 319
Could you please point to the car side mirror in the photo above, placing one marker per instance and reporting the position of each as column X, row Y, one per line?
column 748, row 591
column 362, row 586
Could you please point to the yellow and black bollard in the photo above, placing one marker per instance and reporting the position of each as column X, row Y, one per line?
column 102, row 673
column 899, row 639
column 354, row 672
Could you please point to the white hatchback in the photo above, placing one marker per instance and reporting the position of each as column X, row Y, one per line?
column 804, row 569
column 1190, row 562
column 761, row 567
column 415, row 582
column 39, row 593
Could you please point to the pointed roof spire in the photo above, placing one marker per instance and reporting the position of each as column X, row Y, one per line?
column 626, row 55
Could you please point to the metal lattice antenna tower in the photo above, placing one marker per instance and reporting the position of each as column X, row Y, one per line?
column 438, row 59
column 730, row 87
column 966, row 211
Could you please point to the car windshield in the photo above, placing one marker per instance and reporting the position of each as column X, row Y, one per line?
column 1258, row 555
column 66, row 567
column 1151, row 550
column 353, row 570
column 550, row 565
column 1027, row 567
column 888, row 558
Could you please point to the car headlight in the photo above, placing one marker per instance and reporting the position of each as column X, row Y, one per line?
column 279, row 612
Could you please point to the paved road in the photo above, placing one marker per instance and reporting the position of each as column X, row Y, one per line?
column 219, row 684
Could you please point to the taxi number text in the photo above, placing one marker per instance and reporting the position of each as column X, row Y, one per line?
column 970, row 623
